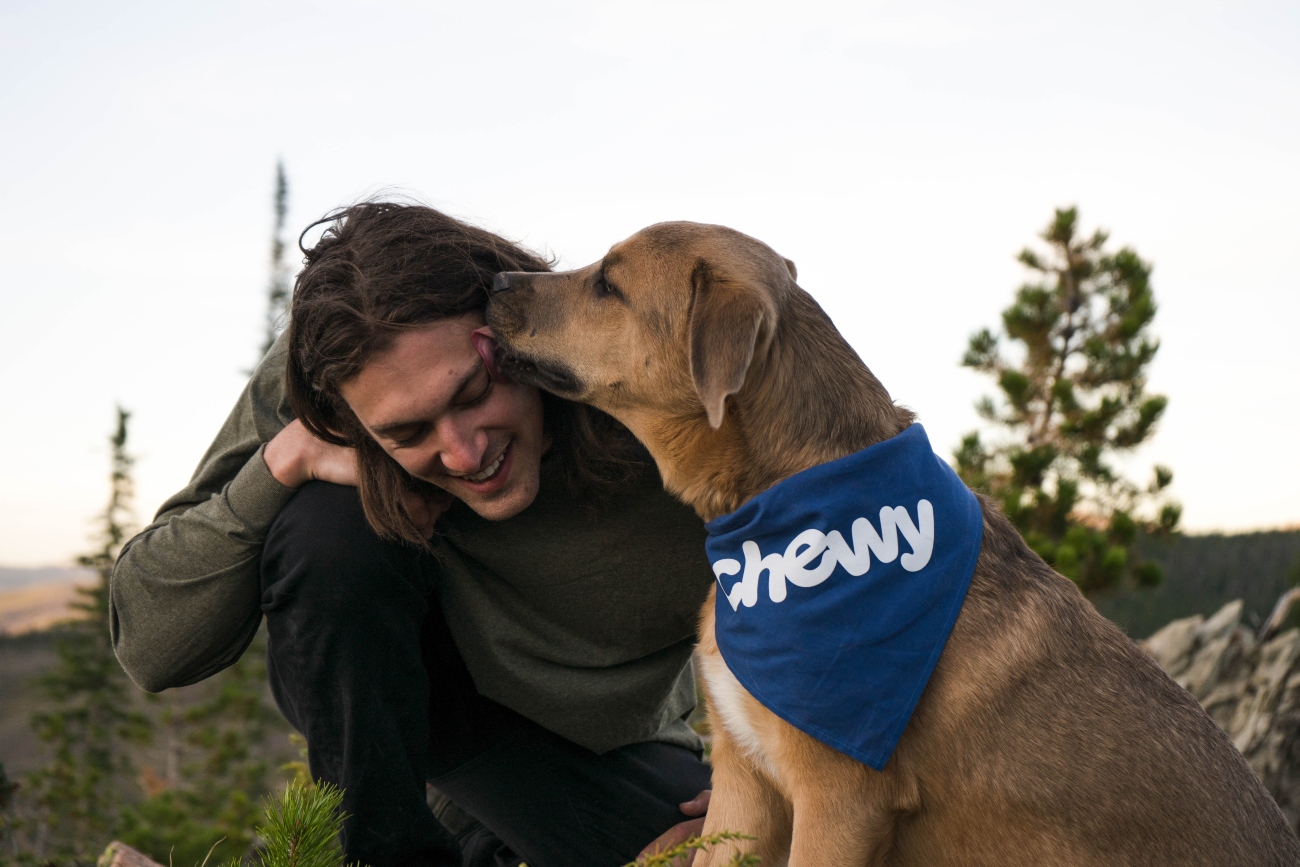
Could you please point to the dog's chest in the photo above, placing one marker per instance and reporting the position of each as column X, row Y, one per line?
column 736, row 708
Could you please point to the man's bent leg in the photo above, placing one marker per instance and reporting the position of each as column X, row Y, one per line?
column 346, row 614
column 361, row 661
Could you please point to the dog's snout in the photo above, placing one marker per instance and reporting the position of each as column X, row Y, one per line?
column 501, row 282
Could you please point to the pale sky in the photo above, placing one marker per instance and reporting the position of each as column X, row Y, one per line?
column 900, row 154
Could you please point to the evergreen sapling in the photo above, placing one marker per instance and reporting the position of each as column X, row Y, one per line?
column 1073, row 396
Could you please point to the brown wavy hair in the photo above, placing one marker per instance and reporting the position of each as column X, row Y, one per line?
column 381, row 268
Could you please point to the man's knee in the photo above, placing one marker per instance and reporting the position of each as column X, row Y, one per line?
column 322, row 520
column 321, row 549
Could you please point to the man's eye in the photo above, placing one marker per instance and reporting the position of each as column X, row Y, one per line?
column 412, row 438
column 473, row 395
column 482, row 395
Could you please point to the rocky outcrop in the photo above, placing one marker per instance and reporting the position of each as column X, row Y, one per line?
column 1249, row 685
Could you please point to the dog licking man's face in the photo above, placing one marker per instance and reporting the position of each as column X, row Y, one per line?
column 598, row 334
column 586, row 334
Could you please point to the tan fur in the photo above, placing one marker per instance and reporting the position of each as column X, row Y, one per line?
column 1044, row 737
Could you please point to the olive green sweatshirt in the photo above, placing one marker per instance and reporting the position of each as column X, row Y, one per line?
column 580, row 618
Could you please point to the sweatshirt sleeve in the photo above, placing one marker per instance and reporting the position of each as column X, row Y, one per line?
column 184, row 601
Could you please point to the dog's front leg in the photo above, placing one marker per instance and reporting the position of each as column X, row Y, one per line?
column 850, row 841
column 746, row 802
column 844, row 812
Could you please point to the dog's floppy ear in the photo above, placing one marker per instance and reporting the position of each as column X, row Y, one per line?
column 727, row 319
column 789, row 266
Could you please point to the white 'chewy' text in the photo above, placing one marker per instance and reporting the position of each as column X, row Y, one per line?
column 793, row 565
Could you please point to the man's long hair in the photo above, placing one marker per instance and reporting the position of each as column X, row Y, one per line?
column 381, row 268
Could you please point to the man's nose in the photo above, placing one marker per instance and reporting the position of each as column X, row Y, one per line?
column 460, row 446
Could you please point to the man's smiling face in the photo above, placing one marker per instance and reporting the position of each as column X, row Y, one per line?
column 429, row 402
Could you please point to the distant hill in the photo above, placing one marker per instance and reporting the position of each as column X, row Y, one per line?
column 35, row 608
column 1204, row 572
column 33, row 599
column 17, row 578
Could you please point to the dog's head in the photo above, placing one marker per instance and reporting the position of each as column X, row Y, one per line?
column 669, row 321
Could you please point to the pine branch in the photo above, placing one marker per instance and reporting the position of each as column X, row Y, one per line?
column 302, row 827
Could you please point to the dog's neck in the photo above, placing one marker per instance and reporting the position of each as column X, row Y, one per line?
column 808, row 400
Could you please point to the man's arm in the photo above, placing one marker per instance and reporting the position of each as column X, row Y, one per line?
column 185, row 594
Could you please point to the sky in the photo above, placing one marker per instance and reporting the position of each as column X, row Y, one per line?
column 900, row 154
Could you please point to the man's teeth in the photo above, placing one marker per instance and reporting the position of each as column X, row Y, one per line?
column 489, row 472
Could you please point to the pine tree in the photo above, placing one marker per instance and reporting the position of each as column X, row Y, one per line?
column 93, row 719
column 216, row 771
column 1073, row 396
column 277, row 294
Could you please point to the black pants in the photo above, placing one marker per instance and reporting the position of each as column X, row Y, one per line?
column 362, row 663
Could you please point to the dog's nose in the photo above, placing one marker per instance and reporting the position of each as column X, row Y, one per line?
column 501, row 282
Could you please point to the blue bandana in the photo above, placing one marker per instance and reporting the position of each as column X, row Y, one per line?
column 841, row 638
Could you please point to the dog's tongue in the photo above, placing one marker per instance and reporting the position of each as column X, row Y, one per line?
column 489, row 350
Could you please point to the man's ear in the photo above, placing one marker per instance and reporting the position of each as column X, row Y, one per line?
column 727, row 319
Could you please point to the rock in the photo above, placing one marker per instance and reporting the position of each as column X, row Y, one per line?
column 1208, row 666
column 119, row 854
column 1250, row 689
column 1227, row 619
column 1254, row 717
column 1172, row 646
column 1222, row 702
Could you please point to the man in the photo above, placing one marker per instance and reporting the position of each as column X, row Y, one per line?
column 528, row 655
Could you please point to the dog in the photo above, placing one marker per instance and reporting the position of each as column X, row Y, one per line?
column 1044, row 735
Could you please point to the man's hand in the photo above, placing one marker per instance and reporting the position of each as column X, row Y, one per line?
column 425, row 509
column 683, row 831
column 296, row 457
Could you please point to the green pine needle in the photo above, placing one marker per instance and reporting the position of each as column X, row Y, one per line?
column 302, row 827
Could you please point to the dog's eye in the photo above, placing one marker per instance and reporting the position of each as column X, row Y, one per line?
column 606, row 289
